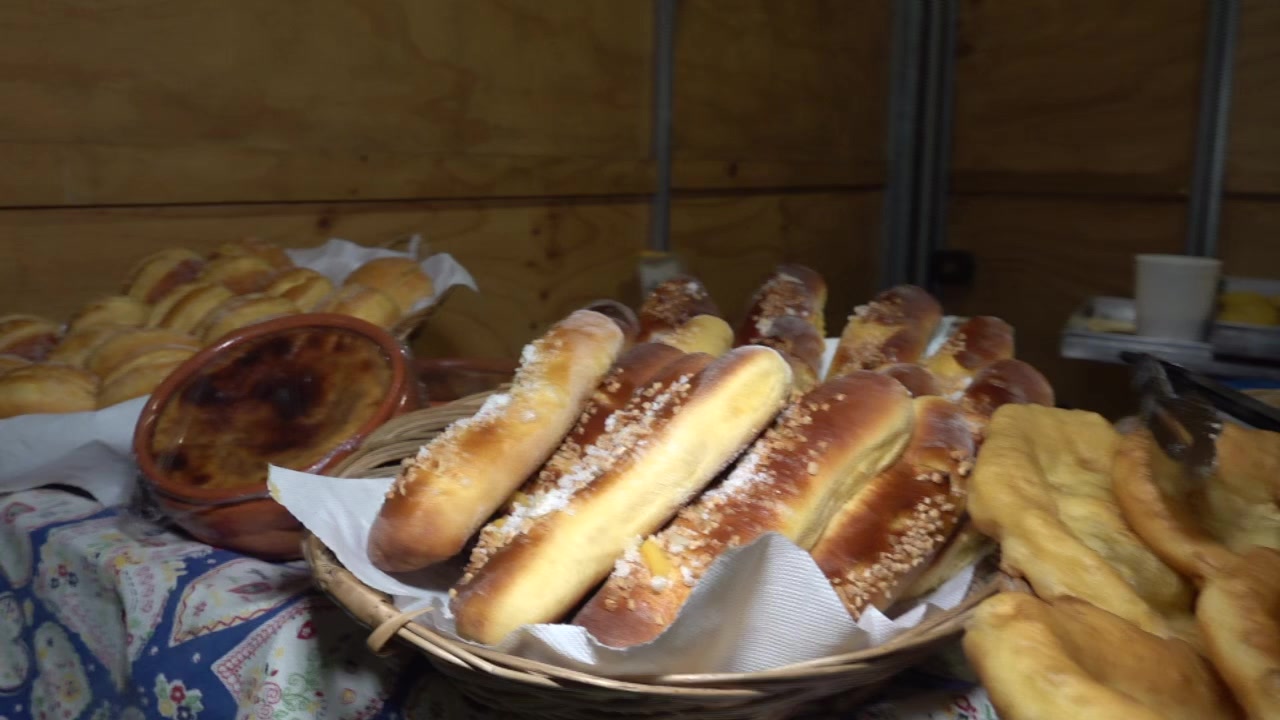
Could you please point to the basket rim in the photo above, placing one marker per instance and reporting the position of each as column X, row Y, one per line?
column 330, row 574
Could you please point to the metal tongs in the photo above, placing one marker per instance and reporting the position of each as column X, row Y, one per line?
column 1184, row 410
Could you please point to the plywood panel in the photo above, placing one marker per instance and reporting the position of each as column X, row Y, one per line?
column 732, row 243
column 1039, row 259
column 534, row 263
column 127, row 101
column 1250, row 241
column 1253, row 163
column 772, row 94
column 1077, row 95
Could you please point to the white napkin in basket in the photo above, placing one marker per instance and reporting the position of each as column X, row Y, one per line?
column 758, row 607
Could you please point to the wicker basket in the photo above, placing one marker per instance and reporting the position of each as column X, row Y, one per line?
column 525, row 688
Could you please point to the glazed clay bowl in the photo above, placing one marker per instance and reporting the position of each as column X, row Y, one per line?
column 300, row 392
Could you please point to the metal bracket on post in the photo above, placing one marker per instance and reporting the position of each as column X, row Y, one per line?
column 922, row 80
column 1204, row 206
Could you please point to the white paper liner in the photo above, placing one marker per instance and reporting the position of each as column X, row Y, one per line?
column 93, row 450
column 758, row 607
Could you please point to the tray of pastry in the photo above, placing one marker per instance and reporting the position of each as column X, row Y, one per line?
column 1248, row 321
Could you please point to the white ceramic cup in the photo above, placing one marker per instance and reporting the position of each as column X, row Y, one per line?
column 1176, row 295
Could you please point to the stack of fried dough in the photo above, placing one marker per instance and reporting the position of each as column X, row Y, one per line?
column 1154, row 589
column 175, row 302
column 634, row 449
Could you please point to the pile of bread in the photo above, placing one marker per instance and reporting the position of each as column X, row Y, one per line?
column 1152, row 590
column 175, row 302
column 633, row 449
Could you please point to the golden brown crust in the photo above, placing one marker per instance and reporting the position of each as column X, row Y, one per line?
column 699, row 334
column 914, row 377
column 1042, row 488
column 366, row 303
column 1241, row 503
column 158, row 274
column 791, row 291
column 305, row 287
column 240, row 312
column 800, row 344
column 459, row 479
column 275, row 255
column 1004, row 382
column 978, row 342
column 1239, row 617
column 402, row 279
column 75, row 348
column 241, row 275
column 673, row 303
column 47, row 388
column 823, row 446
column 888, row 532
column 141, row 375
column 186, row 307
column 121, row 347
column 1070, row 659
column 28, row 336
column 118, row 310
column 966, row 547
column 624, row 316
column 655, row 454
column 9, row 362
column 895, row 327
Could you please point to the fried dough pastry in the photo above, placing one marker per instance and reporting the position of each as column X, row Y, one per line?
column 1069, row 659
column 1239, row 617
column 1042, row 488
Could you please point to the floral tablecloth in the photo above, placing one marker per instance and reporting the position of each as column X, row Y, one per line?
column 104, row 618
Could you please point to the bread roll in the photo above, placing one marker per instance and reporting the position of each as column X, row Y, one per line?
column 1042, row 487
column 241, row 275
column 362, row 302
column 141, row 375
column 822, row 449
column 9, row 362
column 634, row 369
column 123, row 346
column 1070, row 659
column 158, row 274
column 895, row 327
column 1005, row 382
column 240, row 312
column 800, row 344
column 976, row 344
column 1239, row 618
column 456, row 481
column 28, row 336
column 966, row 547
column 275, row 255
column 893, row 526
column 186, row 307
column 305, row 287
column 701, row 333
column 915, row 378
column 117, row 310
column 402, row 279
column 624, row 316
column 75, row 348
column 47, row 388
column 792, row 291
column 657, row 454
column 673, row 303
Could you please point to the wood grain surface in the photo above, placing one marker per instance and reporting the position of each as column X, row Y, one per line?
column 134, row 101
column 776, row 94
column 1077, row 96
column 1038, row 259
column 1249, row 244
column 1253, row 160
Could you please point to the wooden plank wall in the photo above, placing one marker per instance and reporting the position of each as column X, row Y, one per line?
column 1073, row 149
column 513, row 133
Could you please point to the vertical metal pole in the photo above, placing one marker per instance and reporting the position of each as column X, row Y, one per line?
column 1204, row 207
column 664, row 30
column 899, row 213
column 935, row 136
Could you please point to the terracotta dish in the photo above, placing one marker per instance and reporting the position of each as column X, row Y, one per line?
column 300, row 392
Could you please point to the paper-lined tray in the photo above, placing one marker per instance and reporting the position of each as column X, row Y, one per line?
column 93, row 450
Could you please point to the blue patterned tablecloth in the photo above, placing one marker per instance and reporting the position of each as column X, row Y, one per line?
column 102, row 618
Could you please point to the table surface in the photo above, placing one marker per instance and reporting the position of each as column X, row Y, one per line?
column 103, row 618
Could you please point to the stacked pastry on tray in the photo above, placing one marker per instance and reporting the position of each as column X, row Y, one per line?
column 175, row 302
column 1153, row 589
column 633, row 450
